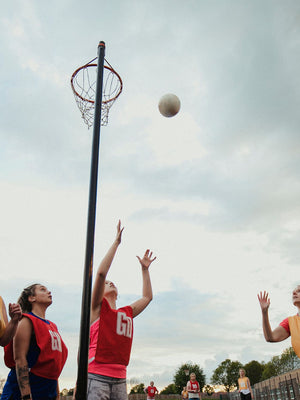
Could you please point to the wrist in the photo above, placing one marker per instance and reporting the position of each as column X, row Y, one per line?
column 27, row 397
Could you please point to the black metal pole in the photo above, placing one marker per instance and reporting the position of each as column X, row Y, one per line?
column 81, row 388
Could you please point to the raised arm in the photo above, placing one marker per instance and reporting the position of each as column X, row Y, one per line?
column 279, row 333
column 15, row 314
column 139, row 305
column 99, row 285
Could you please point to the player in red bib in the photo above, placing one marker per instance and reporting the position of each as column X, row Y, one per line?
column 111, row 329
column 151, row 391
column 193, row 387
column 37, row 354
column 288, row 327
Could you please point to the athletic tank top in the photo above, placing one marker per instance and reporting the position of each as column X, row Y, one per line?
column 151, row 391
column 53, row 351
column 115, row 335
column 294, row 325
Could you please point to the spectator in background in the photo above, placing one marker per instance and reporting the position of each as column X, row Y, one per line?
column 151, row 391
column 193, row 387
column 244, row 386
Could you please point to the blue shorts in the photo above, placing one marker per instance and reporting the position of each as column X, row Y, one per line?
column 41, row 388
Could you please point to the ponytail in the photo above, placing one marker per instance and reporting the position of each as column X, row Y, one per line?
column 25, row 304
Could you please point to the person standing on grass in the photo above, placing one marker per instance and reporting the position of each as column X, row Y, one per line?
column 151, row 391
column 184, row 394
column 193, row 387
column 244, row 386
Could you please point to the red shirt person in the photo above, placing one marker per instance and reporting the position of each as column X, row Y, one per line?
column 193, row 387
column 151, row 391
column 111, row 329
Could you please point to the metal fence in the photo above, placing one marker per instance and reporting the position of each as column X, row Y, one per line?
column 282, row 387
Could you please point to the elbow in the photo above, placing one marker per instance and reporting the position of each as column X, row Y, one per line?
column 148, row 299
column 270, row 340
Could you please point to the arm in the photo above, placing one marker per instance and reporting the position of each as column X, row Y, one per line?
column 188, row 387
column 249, row 386
column 21, row 347
column 139, row 305
column 279, row 333
column 15, row 314
column 99, row 285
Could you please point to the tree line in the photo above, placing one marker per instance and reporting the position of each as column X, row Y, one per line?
column 227, row 372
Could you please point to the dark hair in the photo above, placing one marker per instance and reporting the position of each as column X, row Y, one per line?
column 23, row 299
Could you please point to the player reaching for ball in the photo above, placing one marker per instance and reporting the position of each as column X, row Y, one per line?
column 111, row 329
column 37, row 353
column 288, row 327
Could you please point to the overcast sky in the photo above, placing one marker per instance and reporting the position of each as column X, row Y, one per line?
column 214, row 191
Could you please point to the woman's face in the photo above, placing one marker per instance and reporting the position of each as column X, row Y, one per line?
column 110, row 288
column 296, row 296
column 41, row 295
column 242, row 373
column 193, row 377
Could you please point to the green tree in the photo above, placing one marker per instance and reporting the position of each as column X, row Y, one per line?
column 272, row 368
column 226, row 374
column 170, row 389
column 138, row 389
column 182, row 376
column 254, row 370
column 289, row 360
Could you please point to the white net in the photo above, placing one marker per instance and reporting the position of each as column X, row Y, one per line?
column 83, row 83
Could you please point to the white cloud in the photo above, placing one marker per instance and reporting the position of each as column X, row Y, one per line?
column 213, row 191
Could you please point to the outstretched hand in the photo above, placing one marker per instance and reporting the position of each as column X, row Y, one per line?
column 119, row 232
column 146, row 260
column 264, row 300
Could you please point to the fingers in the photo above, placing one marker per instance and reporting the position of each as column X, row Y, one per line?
column 14, row 310
column 148, row 254
column 263, row 296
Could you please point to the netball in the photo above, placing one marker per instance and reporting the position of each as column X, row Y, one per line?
column 169, row 105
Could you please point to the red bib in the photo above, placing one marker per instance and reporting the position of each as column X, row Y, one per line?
column 115, row 335
column 194, row 385
column 151, row 391
column 53, row 351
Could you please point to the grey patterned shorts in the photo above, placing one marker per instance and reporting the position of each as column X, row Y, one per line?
column 102, row 387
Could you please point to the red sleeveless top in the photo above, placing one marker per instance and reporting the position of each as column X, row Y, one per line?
column 115, row 335
column 53, row 351
column 151, row 391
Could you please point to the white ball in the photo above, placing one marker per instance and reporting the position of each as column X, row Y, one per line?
column 169, row 105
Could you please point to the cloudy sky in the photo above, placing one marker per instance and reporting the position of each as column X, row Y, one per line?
column 214, row 191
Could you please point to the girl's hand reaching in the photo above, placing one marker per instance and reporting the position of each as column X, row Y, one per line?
column 264, row 301
column 146, row 260
column 119, row 232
